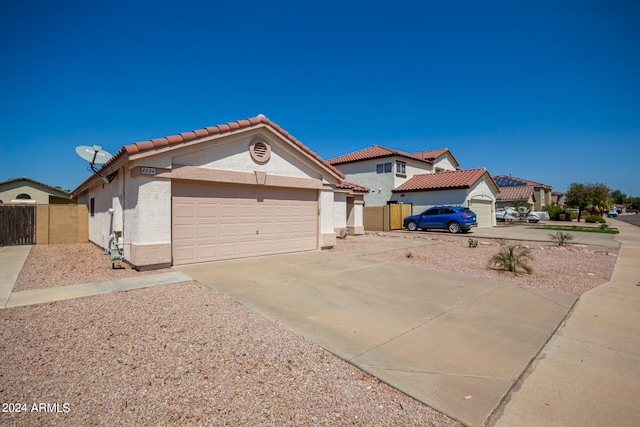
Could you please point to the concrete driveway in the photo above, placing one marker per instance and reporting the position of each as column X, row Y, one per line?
column 456, row 343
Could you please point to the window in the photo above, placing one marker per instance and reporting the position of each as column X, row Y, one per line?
column 401, row 168
column 383, row 168
column 92, row 206
column 23, row 196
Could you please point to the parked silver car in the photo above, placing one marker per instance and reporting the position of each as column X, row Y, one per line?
column 511, row 214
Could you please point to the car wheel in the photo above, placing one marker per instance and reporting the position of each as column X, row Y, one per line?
column 533, row 221
column 412, row 226
column 454, row 227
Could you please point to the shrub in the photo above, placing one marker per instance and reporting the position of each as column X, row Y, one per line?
column 473, row 243
column 554, row 211
column 512, row 258
column 560, row 238
column 603, row 227
column 408, row 255
column 595, row 218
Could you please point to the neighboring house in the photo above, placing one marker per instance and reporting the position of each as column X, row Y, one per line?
column 240, row 189
column 25, row 190
column 422, row 179
column 557, row 197
column 536, row 194
column 382, row 169
column 473, row 188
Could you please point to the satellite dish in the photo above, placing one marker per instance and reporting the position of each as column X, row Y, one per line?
column 95, row 155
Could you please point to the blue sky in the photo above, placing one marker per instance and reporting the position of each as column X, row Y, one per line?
column 544, row 90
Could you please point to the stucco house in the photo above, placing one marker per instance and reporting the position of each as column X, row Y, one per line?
column 382, row 169
column 538, row 195
column 422, row 179
column 240, row 189
column 26, row 190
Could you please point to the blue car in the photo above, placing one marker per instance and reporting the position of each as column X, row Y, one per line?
column 456, row 219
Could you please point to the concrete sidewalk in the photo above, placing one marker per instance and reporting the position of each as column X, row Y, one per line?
column 587, row 375
column 12, row 258
column 456, row 343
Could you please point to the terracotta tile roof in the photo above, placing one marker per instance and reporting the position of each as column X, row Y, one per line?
column 516, row 192
column 184, row 137
column 221, row 129
column 463, row 178
column 432, row 154
column 374, row 152
column 351, row 186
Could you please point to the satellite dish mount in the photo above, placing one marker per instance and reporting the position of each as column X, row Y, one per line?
column 95, row 155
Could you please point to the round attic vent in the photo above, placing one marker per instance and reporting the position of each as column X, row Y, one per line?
column 260, row 151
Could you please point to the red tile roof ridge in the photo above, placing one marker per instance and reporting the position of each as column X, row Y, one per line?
column 373, row 152
column 460, row 178
column 351, row 186
column 155, row 143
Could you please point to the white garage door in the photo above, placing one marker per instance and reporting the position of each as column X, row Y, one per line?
column 218, row 221
column 484, row 212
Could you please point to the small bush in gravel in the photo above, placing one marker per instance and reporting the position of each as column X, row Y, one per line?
column 512, row 258
column 409, row 255
column 473, row 243
column 561, row 238
column 595, row 218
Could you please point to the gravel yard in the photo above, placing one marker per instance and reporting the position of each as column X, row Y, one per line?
column 574, row 269
column 59, row 265
column 174, row 355
column 184, row 354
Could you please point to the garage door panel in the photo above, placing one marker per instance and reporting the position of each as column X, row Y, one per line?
column 208, row 232
column 183, row 210
column 183, row 254
column 185, row 232
column 484, row 212
column 213, row 222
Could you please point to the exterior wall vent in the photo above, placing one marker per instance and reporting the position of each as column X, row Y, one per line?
column 260, row 151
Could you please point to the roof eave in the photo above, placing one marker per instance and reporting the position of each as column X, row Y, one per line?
column 461, row 187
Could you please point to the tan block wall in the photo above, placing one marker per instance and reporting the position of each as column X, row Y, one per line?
column 42, row 224
column 375, row 218
column 62, row 224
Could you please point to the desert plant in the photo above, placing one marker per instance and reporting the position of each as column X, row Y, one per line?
column 603, row 227
column 512, row 258
column 473, row 243
column 408, row 255
column 561, row 238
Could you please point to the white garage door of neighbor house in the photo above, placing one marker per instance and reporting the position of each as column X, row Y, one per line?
column 218, row 221
column 484, row 212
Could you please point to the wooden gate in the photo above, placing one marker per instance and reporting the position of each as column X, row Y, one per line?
column 398, row 212
column 17, row 225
